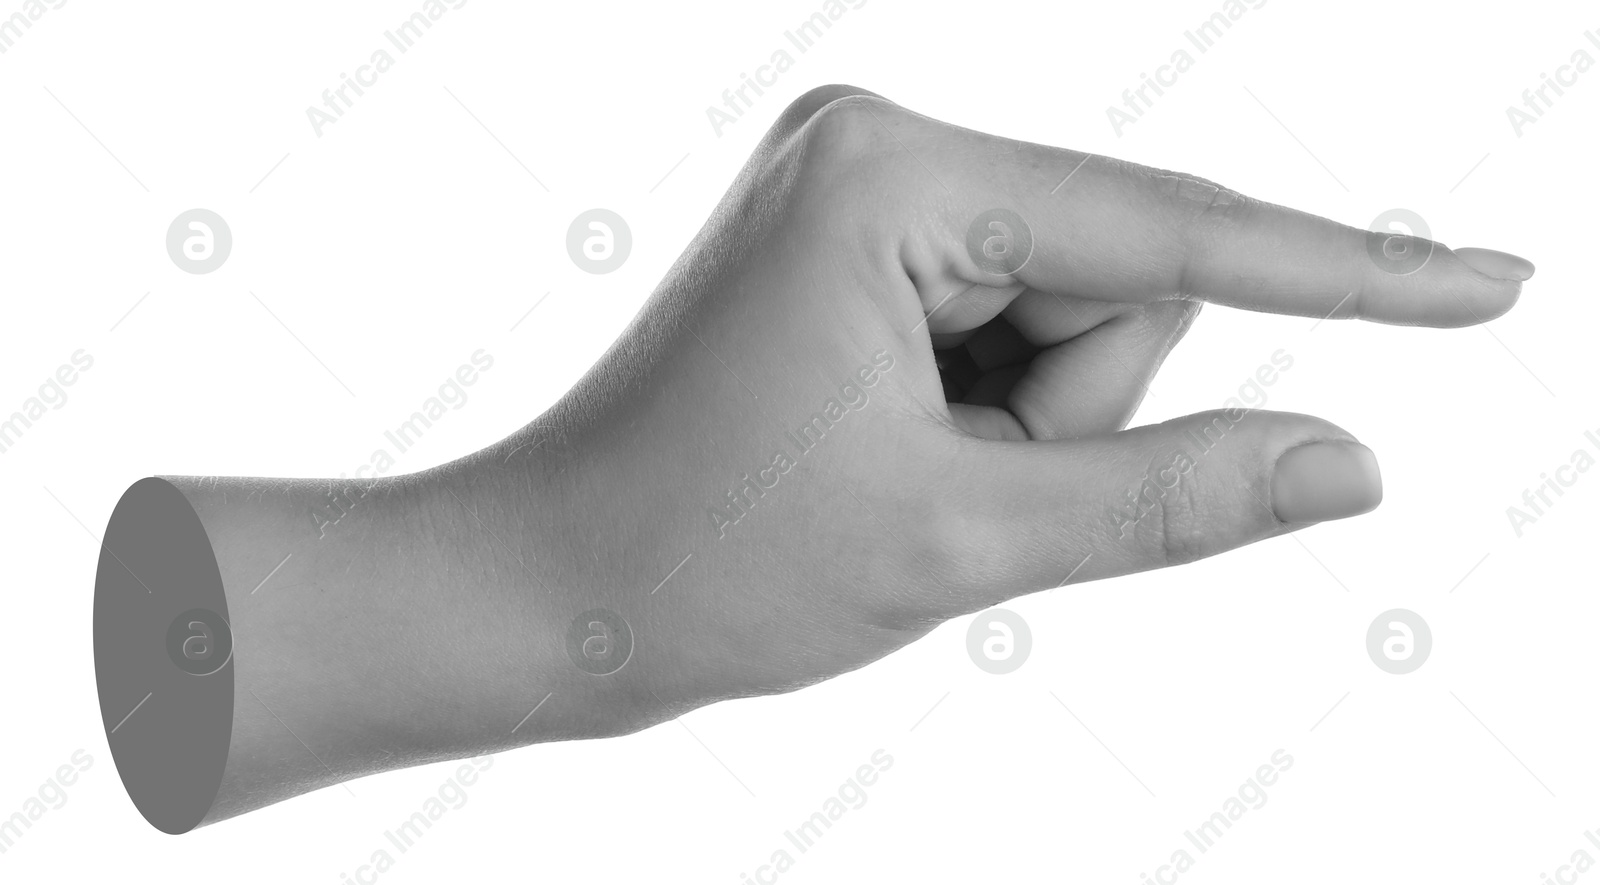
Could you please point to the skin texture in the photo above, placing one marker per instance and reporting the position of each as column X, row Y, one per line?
column 984, row 462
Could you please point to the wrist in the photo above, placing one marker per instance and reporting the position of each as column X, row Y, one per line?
column 561, row 557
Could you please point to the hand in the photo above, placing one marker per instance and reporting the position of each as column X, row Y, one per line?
column 779, row 415
column 885, row 386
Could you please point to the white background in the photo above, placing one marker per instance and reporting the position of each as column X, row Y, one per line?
column 404, row 238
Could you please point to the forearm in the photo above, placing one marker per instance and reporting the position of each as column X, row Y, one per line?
column 390, row 623
column 391, row 637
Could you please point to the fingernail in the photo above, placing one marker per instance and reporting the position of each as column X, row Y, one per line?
column 1500, row 265
column 1319, row 481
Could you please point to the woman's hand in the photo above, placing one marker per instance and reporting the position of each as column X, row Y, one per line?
column 885, row 386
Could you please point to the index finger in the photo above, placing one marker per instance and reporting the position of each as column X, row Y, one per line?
column 1102, row 228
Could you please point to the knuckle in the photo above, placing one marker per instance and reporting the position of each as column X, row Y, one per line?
column 818, row 98
column 1168, row 524
column 1182, row 541
column 924, row 575
column 850, row 111
column 946, row 541
column 966, row 541
column 1190, row 216
column 843, row 167
column 1200, row 199
column 845, row 133
column 800, row 111
column 1204, row 214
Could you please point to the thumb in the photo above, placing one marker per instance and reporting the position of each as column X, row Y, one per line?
column 1159, row 495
